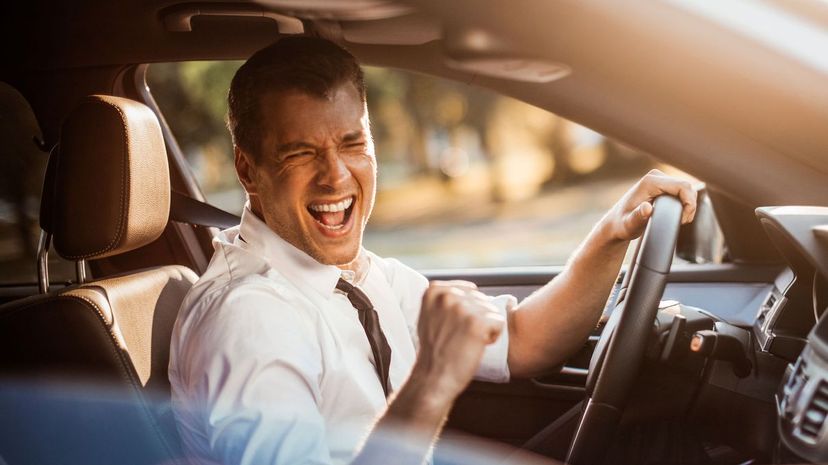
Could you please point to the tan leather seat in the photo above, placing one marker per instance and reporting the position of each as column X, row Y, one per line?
column 83, row 370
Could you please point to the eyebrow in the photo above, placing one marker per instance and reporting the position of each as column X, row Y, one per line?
column 293, row 146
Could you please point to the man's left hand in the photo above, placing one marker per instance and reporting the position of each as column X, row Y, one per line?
column 628, row 218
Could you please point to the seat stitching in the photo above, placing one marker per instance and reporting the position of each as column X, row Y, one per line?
column 124, row 177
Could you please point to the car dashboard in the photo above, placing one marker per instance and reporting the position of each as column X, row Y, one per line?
column 791, row 324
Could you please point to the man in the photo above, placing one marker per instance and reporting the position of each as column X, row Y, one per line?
column 277, row 355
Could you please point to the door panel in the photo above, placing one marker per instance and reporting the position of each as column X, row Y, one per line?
column 511, row 413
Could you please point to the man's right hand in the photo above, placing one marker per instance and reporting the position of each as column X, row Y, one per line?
column 456, row 323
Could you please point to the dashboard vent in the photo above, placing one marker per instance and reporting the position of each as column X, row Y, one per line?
column 796, row 381
column 766, row 308
column 760, row 320
column 814, row 415
column 798, row 376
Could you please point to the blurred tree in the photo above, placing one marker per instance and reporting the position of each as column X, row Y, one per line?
column 193, row 98
column 452, row 158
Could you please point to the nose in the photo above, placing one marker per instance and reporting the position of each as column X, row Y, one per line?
column 332, row 171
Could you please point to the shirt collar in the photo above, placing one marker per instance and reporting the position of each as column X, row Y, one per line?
column 298, row 267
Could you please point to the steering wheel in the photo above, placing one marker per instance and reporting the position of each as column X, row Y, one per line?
column 617, row 358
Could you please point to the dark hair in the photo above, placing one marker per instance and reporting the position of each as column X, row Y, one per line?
column 308, row 64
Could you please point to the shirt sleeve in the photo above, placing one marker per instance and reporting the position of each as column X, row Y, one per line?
column 254, row 374
column 410, row 286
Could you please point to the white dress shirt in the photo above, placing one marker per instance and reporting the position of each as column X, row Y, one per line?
column 269, row 363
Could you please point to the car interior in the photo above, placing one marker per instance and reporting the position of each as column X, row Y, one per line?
column 704, row 354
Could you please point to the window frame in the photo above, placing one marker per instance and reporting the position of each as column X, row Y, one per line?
column 200, row 239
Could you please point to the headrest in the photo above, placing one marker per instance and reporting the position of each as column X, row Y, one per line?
column 18, row 125
column 23, row 156
column 109, row 180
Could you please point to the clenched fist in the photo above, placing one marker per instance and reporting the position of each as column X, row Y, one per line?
column 456, row 323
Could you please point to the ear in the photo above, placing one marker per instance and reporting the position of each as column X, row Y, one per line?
column 245, row 169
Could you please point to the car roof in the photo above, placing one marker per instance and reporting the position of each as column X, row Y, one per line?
column 745, row 117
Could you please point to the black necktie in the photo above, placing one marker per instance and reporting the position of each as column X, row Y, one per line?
column 369, row 319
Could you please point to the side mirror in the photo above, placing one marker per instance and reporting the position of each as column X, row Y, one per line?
column 702, row 240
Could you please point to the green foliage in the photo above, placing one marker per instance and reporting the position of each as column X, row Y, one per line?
column 451, row 156
column 193, row 98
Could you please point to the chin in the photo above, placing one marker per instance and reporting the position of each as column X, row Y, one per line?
column 337, row 258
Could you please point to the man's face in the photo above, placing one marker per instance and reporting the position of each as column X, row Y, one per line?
column 314, row 181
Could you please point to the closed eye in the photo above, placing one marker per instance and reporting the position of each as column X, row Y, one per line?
column 297, row 155
column 355, row 145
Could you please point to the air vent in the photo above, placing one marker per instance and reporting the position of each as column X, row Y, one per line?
column 798, row 376
column 760, row 320
column 814, row 415
column 765, row 310
column 796, row 381
column 803, row 372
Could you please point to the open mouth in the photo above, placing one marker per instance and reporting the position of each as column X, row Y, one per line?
column 333, row 215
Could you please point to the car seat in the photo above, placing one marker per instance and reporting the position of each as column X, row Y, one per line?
column 83, row 369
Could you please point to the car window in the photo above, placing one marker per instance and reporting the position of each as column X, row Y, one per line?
column 467, row 177
column 24, row 165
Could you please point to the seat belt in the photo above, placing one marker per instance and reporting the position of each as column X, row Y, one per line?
column 185, row 209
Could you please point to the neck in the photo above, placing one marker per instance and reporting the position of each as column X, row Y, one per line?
column 359, row 265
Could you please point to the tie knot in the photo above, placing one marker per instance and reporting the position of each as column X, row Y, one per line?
column 357, row 298
column 344, row 286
